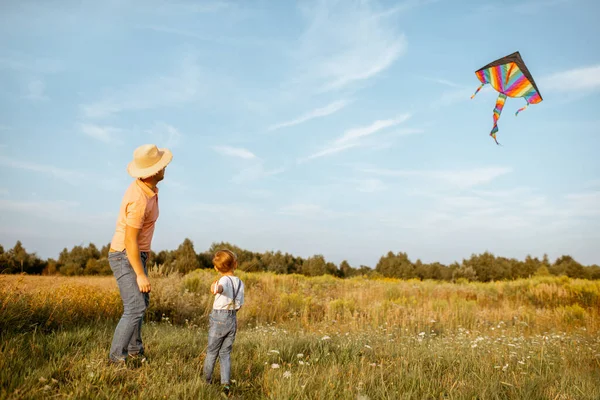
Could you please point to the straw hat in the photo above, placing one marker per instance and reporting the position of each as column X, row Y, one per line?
column 148, row 160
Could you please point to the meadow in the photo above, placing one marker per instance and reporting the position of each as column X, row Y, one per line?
column 309, row 338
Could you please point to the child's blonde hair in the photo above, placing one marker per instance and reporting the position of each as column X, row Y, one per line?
column 224, row 260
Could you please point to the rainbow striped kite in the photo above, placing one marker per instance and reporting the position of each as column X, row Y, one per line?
column 509, row 76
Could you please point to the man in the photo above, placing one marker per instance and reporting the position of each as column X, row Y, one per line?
column 130, row 248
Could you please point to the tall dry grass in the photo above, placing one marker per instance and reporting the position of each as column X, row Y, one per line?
column 534, row 305
column 309, row 338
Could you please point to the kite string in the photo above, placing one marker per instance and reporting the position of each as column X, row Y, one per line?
column 478, row 89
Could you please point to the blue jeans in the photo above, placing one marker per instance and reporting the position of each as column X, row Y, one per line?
column 221, row 335
column 128, row 333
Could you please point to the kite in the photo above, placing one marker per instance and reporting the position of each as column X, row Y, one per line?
column 509, row 76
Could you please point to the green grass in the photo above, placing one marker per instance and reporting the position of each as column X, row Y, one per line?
column 357, row 339
column 386, row 362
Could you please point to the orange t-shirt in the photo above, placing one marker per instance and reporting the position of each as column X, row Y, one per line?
column 139, row 209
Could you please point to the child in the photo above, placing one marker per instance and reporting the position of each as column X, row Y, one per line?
column 229, row 298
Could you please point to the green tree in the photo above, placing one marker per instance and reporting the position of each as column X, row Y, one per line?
column 186, row 259
column 314, row 266
column 396, row 266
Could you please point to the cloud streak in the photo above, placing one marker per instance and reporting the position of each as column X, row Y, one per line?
column 463, row 178
column 106, row 134
column 316, row 113
column 181, row 86
column 235, row 152
column 67, row 175
column 353, row 137
column 346, row 44
column 572, row 80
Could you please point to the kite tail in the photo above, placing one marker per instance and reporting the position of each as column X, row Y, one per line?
column 478, row 89
column 497, row 111
column 521, row 109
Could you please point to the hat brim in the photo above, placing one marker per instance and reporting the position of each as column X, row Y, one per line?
column 165, row 159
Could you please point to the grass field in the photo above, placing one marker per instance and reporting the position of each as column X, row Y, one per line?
column 309, row 338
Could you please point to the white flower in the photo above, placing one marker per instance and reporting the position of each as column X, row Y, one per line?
column 325, row 337
column 274, row 351
column 287, row 374
column 301, row 362
column 274, row 366
column 367, row 346
column 299, row 355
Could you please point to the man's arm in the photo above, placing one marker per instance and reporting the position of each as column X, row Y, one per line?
column 133, row 254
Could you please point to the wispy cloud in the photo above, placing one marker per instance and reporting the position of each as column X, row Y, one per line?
column 356, row 134
column 534, row 6
column 106, row 134
column 37, row 208
column 352, row 137
column 70, row 176
column 311, row 210
column 366, row 185
column 241, row 41
column 232, row 210
column 235, row 152
column 316, row 113
column 35, row 90
column 586, row 204
column 522, row 7
column 328, row 151
column 463, row 178
column 182, row 86
column 162, row 7
column 444, row 82
column 29, row 65
column 346, row 43
column 576, row 79
column 460, row 94
column 166, row 134
column 255, row 172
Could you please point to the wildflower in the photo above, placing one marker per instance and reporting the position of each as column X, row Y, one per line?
column 299, row 355
column 274, row 351
column 325, row 337
column 287, row 374
column 274, row 366
column 367, row 346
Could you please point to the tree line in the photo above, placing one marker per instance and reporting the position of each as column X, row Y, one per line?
column 485, row 267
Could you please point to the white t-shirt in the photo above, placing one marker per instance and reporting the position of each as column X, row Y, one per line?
column 223, row 300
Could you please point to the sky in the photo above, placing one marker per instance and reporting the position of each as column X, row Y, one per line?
column 342, row 128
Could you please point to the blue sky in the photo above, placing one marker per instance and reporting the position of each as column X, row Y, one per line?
column 319, row 127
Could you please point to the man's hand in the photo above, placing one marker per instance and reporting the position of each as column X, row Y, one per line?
column 143, row 283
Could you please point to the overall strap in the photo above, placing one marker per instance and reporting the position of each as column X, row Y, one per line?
column 235, row 292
